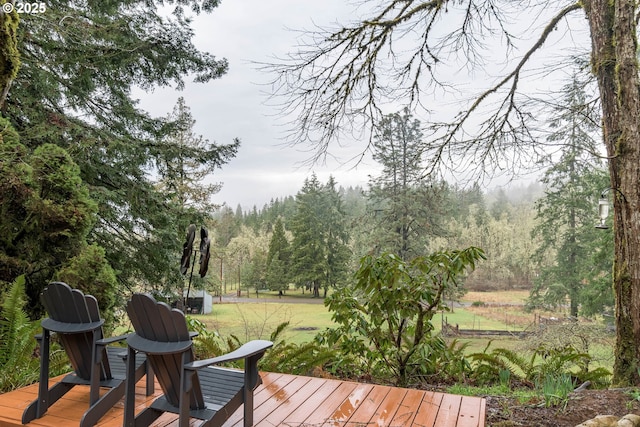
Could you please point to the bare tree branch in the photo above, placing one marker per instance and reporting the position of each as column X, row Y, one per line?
column 341, row 82
column 509, row 125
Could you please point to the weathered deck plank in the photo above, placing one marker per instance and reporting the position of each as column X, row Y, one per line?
column 448, row 411
column 363, row 413
column 389, row 407
column 428, row 410
column 408, row 408
column 284, row 400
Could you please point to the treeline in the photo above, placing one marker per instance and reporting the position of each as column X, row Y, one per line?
column 250, row 242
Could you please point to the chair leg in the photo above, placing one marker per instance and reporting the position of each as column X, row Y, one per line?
column 248, row 407
column 185, row 386
column 39, row 407
column 46, row 396
column 130, row 393
column 102, row 406
column 251, row 380
column 150, row 383
column 96, row 362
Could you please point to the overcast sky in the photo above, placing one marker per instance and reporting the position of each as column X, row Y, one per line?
column 245, row 32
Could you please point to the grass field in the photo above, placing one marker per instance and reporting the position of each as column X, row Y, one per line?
column 254, row 320
column 497, row 297
column 501, row 311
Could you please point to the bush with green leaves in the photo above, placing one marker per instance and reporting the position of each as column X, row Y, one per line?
column 90, row 272
column 208, row 343
column 384, row 317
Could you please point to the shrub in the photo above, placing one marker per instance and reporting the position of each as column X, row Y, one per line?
column 385, row 317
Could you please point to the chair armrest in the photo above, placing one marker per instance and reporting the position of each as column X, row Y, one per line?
column 144, row 345
column 111, row 340
column 249, row 349
column 70, row 328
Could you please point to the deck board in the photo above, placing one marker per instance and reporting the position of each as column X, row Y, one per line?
column 317, row 400
column 282, row 400
column 389, row 407
column 343, row 413
column 293, row 402
column 470, row 410
column 448, row 411
column 428, row 410
column 318, row 414
column 363, row 414
column 408, row 408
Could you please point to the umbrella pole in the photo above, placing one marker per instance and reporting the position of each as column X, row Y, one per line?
column 195, row 251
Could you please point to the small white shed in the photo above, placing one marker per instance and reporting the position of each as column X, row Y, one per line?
column 200, row 301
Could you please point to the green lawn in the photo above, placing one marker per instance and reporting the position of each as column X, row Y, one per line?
column 251, row 320
column 466, row 319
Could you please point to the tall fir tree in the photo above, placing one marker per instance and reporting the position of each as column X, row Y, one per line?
column 278, row 259
column 307, row 248
column 337, row 238
column 407, row 206
column 183, row 182
column 566, row 213
column 319, row 253
column 182, row 178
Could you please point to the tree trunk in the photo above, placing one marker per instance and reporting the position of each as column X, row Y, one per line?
column 614, row 62
column 9, row 55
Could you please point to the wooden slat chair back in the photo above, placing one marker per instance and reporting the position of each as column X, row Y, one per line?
column 75, row 319
column 192, row 389
column 71, row 306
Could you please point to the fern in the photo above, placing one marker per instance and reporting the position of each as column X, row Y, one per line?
column 297, row 359
column 18, row 367
column 543, row 363
column 599, row 377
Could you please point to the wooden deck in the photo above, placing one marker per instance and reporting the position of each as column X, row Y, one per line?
column 285, row 400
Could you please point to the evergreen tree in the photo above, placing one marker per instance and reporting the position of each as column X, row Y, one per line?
column 45, row 214
column 91, row 273
column 566, row 212
column 407, row 206
column 181, row 181
column 278, row 259
column 182, row 177
column 308, row 251
column 227, row 226
column 257, row 269
column 79, row 62
column 319, row 253
column 337, row 238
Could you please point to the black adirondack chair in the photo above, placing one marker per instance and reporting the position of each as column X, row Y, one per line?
column 75, row 319
column 191, row 388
